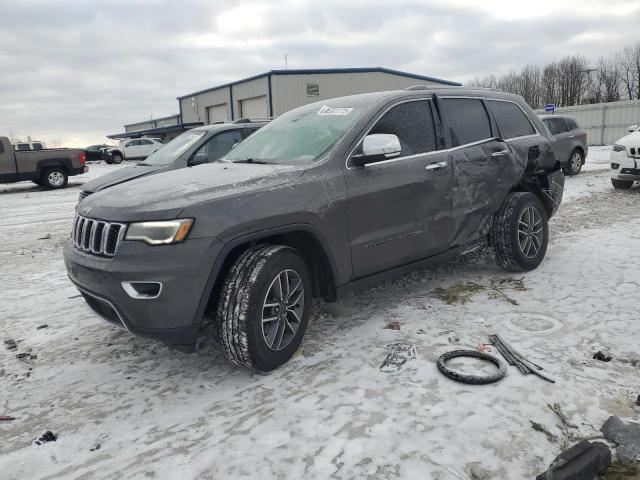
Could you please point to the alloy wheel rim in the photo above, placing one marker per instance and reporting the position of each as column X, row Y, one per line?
column 576, row 162
column 56, row 179
column 282, row 309
column 530, row 232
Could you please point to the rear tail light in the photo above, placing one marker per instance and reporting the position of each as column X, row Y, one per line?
column 83, row 157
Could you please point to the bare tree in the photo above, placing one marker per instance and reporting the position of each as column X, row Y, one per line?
column 607, row 82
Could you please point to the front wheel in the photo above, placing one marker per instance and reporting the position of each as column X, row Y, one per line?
column 55, row 177
column 520, row 232
column 116, row 158
column 621, row 184
column 264, row 307
column 575, row 163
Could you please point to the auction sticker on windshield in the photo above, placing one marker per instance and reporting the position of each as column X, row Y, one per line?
column 339, row 111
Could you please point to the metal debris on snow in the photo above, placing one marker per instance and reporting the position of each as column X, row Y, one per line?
column 400, row 354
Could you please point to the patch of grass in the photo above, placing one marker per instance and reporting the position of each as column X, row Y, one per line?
column 463, row 291
column 617, row 471
column 538, row 427
column 458, row 293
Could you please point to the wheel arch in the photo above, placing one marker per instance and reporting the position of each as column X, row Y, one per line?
column 581, row 150
column 546, row 201
column 302, row 237
column 43, row 165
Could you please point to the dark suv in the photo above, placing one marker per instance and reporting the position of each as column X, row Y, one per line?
column 327, row 197
column 200, row 145
column 569, row 142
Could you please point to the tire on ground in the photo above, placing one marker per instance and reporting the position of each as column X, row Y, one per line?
column 238, row 322
column 621, row 184
column 54, row 177
column 570, row 168
column 116, row 158
column 505, row 233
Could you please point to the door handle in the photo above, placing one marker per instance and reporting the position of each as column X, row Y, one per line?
column 501, row 153
column 435, row 166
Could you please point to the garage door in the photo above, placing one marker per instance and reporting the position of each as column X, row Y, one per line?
column 254, row 107
column 217, row 113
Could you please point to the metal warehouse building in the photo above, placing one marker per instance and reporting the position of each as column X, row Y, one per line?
column 271, row 94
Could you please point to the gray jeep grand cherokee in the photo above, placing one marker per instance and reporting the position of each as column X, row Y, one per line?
column 327, row 197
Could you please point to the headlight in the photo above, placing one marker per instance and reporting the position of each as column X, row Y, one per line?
column 159, row 233
column 619, row 148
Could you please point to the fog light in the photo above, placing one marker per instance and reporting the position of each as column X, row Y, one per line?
column 615, row 166
column 142, row 290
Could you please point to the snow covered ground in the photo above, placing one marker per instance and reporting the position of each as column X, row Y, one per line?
column 125, row 407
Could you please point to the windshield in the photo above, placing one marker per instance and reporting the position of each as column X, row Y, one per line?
column 299, row 136
column 169, row 152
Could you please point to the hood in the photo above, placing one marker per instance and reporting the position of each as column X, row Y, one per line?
column 119, row 176
column 631, row 140
column 165, row 195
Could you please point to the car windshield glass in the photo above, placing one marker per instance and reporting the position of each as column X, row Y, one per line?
column 171, row 151
column 297, row 137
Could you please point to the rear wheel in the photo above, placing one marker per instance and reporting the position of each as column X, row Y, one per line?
column 621, row 184
column 575, row 162
column 55, row 177
column 520, row 232
column 264, row 307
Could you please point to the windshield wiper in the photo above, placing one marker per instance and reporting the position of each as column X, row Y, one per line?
column 252, row 160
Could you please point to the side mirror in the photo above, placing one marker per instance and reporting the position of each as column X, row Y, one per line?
column 376, row 148
column 632, row 128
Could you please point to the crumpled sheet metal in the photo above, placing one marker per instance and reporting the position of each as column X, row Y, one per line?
column 480, row 184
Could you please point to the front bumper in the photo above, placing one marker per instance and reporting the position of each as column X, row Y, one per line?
column 182, row 269
column 624, row 167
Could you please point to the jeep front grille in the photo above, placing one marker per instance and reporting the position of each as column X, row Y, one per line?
column 96, row 236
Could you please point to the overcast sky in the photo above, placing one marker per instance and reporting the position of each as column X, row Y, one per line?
column 76, row 71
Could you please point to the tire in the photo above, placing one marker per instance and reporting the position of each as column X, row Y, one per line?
column 108, row 161
column 54, row 178
column 244, row 304
column 467, row 378
column 574, row 165
column 621, row 184
column 520, row 232
column 116, row 158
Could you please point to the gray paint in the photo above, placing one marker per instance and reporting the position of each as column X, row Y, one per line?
column 329, row 199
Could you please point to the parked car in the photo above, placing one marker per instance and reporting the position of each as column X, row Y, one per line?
column 625, row 159
column 49, row 168
column 326, row 198
column 35, row 145
column 570, row 142
column 199, row 145
column 136, row 148
column 96, row 153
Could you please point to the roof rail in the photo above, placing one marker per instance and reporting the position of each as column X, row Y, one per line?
column 417, row 87
column 252, row 119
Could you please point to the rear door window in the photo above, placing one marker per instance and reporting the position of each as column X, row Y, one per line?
column 22, row 146
column 37, row 146
column 413, row 124
column 556, row 125
column 512, row 121
column 144, row 142
column 571, row 123
column 467, row 120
